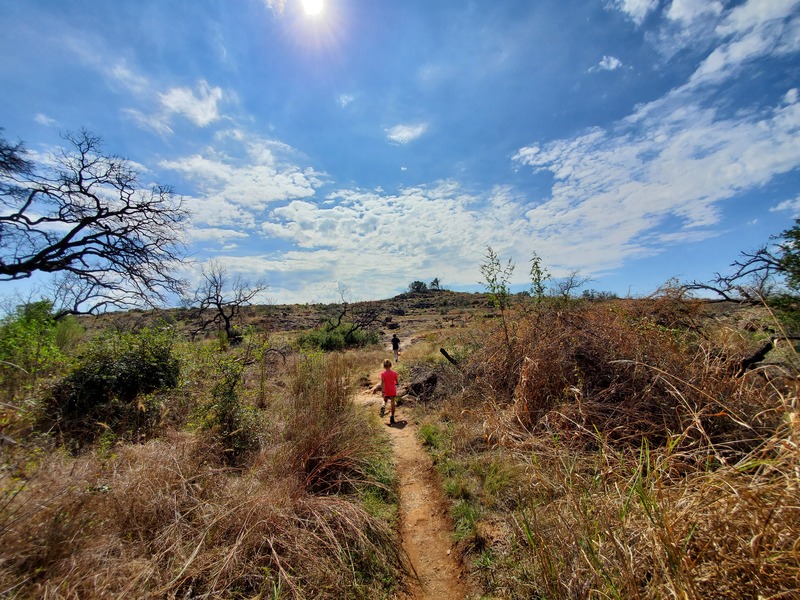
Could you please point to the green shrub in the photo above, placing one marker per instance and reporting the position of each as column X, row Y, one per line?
column 112, row 386
column 28, row 346
column 329, row 339
column 326, row 340
column 233, row 423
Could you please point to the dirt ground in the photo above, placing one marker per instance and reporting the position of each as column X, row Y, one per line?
column 425, row 527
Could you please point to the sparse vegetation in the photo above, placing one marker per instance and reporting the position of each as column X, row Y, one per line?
column 613, row 448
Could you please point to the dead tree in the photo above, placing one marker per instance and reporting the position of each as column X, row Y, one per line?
column 351, row 318
column 86, row 217
column 219, row 299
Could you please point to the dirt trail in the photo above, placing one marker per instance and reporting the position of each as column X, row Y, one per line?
column 425, row 527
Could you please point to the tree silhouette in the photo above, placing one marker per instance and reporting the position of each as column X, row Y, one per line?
column 84, row 216
column 219, row 299
column 755, row 273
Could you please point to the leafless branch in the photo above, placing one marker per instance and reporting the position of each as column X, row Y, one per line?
column 88, row 219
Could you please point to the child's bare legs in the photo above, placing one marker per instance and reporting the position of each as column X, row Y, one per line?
column 391, row 409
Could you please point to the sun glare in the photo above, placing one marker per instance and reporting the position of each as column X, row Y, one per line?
column 313, row 7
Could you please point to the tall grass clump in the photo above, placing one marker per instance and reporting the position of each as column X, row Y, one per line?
column 626, row 454
column 325, row 433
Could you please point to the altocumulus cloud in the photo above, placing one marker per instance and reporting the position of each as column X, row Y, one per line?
column 671, row 160
column 239, row 178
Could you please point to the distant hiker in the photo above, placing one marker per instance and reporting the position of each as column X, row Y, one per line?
column 395, row 347
column 388, row 384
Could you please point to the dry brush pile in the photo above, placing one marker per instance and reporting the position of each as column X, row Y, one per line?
column 624, row 454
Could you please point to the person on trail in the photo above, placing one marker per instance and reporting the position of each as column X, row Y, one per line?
column 396, row 347
column 388, row 384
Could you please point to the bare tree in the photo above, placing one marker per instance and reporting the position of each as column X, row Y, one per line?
column 752, row 280
column 351, row 317
column 86, row 217
column 219, row 299
column 12, row 159
column 565, row 287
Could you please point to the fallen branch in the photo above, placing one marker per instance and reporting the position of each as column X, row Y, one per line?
column 448, row 357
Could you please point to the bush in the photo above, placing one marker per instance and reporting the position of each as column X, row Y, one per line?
column 344, row 336
column 627, row 374
column 108, row 390
column 28, row 345
column 232, row 422
column 326, row 340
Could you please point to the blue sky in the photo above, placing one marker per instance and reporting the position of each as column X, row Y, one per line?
column 385, row 141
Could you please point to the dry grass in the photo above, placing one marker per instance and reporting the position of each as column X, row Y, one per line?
column 169, row 518
column 618, row 524
column 611, row 453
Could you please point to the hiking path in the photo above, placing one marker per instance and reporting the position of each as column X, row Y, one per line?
column 425, row 527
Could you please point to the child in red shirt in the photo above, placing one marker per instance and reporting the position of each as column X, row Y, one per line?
column 389, row 379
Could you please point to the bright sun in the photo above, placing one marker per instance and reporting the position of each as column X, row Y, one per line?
column 313, row 7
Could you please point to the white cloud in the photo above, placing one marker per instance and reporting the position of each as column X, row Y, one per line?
column 409, row 223
column 345, row 99
column 235, row 187
column 403, row 134
column 608, row 63
column 791, row 205
column 216, row 234
column 733, row 37
column 754, row 14
column 686, row 11
column 158, row 124
column 637, row 10
column 122, row 74
column 200, row 107
column 674, row 159
column 43, row 119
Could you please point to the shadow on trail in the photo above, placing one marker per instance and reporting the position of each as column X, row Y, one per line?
column 398, row 424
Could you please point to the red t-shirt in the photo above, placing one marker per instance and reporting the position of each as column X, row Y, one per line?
column 389, row 381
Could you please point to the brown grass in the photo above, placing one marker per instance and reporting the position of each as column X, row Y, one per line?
column 621, row 458
column 169, row 518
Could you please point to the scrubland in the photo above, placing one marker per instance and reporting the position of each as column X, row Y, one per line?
column 253, row 475
column 611, row 449
column 619, row 450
